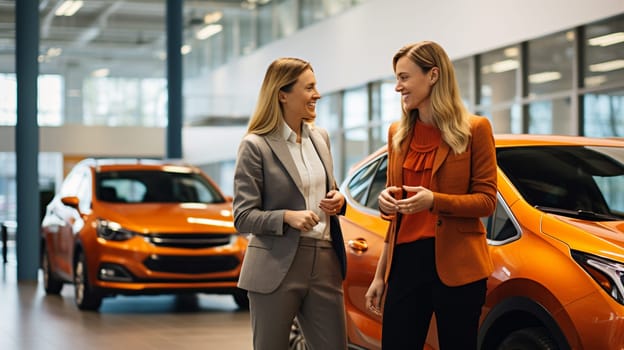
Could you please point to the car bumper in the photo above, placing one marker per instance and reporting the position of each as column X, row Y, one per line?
column 137, row 267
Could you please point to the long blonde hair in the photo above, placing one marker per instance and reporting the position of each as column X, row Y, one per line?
column 449, row 113
column 281, row 75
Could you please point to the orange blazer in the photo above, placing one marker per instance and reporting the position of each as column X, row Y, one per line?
column 464, row 190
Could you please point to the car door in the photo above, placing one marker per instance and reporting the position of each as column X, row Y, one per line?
column 364, row 232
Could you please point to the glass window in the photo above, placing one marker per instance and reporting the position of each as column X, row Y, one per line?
column 550, row 63
column 311, row 12
column 125, row 102
column 506, row 120
column 498, row 71
column 286, row 13
column 8, row 96
column 386, row 108
column 355, row 107
column 49, row 95
column 265, row 24
column 328, row 112
column 551, row 117
column 247, row 32
column 465, row 80
column 502, row 226
column 604, row 114
column 356, row 147
column 368, row 182
column 604, row 52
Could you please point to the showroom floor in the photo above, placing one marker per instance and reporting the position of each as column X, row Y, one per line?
column 30, row 320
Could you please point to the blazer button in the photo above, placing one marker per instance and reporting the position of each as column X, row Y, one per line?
column 439, row 223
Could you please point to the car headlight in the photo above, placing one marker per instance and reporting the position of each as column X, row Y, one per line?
column 112, row 231
column 607, row 273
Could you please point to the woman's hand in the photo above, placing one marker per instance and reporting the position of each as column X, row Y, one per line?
column 373, row 296
column 387, row 199
column 421, row 199
column 332, row 203
column 303, row 220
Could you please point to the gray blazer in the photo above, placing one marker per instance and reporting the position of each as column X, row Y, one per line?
column 266, row 184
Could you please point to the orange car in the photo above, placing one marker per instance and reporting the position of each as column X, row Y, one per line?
column 556, row 240
column 140, row 227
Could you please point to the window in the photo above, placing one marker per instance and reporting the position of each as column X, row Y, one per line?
column 550, row 64
column 368, row 182
column 498, row 71
column 464, row 74
column 604, row 114
column 49, row 95
column 125, row 102
column 501, row 226
column 604, row 56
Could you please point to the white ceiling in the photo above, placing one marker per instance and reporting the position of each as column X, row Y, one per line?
column 127, row 35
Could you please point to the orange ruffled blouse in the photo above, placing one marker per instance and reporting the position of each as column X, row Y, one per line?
column 417, row 169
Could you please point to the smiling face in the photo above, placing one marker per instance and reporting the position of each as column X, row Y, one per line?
column 414, row 84
column 299, row 104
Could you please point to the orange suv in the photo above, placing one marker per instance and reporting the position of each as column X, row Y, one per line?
column 140, row 227
column 556, row 240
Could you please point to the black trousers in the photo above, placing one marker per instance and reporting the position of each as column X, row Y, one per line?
column 415, row 292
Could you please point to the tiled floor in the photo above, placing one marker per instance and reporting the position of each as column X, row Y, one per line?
column 30, row 320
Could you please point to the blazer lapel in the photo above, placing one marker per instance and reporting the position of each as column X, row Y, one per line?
column 322, row 149
column 441, row 154
column 280, row 149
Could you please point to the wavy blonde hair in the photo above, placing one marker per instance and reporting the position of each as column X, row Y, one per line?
column 449, row 113
column 281, row 75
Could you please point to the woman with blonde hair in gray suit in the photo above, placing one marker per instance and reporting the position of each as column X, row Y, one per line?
column 285, row 195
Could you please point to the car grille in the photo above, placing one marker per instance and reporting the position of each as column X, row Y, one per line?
column 184, row 240
column 190, row 264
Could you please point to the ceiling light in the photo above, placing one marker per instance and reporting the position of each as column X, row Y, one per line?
column 208, row 31
column 595, row 80
column 68, row 8
column 607, row 66
column 544, row 77
column 511, row 52
column 607, row 40
column 186, row 49
column 504, row 66
column 100, row 73
column 213, row 17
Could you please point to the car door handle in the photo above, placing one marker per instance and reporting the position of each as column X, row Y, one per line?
column 358, row 244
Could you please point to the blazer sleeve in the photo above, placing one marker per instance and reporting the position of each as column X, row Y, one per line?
column 249, row 187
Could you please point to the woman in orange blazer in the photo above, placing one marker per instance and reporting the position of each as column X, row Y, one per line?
column 441, row 180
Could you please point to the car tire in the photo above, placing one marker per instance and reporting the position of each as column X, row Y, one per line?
column 296, row 340
column 241, row 299
column 535, row 338
column 51, row 284
column 86, row 298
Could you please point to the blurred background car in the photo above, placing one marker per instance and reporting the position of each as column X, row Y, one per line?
column 135, row 226
column 556, row 239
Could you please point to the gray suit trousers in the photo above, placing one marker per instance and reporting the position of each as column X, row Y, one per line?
column 311, row 291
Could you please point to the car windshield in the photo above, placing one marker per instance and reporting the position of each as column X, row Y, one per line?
column 577, row 181
column 147, row 186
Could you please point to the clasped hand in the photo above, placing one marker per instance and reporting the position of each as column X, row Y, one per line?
column 305, row 220
column 420, row 199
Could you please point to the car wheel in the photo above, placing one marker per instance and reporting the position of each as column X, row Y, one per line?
column 240, row 297
column 86, row 298
column 536, row 338
column 296, row 340
column 51, row 284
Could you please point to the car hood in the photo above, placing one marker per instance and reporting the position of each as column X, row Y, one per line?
column 171, row 217
column 599, row 237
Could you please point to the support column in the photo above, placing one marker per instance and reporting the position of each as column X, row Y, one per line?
column 27, row 139
column 174, row 78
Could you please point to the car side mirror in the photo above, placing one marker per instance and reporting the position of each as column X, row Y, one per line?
column 71, row 201
column 229, row 199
